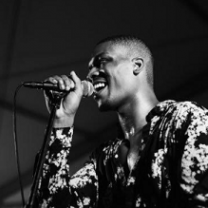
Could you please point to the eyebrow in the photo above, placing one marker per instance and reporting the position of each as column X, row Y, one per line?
column 99, row 55
column 95, row 58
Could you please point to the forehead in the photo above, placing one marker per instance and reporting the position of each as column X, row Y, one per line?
column 110, row 49
column 113, row 51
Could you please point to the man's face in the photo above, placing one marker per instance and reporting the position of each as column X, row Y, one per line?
column 110, row 70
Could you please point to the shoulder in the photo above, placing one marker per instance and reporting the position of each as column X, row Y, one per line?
column 191, row 106
column 183, row 109
column 192, row 119
column 174, row 116
column 191, row 110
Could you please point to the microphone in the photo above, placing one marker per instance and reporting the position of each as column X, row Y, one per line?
column 88, row 88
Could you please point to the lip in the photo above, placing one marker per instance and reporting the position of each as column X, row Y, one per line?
column 99, row 83
column 99, row 80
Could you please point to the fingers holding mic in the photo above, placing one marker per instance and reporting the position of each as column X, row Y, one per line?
column 62, row 86
column 78, row 86
column 66, row 87
column 63, row 82
column 68, row 90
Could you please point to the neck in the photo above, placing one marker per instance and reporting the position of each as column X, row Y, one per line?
column 132, row 116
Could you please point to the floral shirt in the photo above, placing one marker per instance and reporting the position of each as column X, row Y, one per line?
column 172, row 170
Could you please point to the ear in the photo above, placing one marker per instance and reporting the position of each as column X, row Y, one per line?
column 138, row 65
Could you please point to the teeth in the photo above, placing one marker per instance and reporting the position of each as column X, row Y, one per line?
column 99, row 85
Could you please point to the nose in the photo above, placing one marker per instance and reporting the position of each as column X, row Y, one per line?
column 94, row 72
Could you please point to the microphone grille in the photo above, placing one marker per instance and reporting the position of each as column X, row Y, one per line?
column 88, row 88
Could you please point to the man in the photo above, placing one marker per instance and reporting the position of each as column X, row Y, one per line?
column 160, row 161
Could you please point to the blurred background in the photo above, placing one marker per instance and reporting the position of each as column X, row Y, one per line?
column 40, row 38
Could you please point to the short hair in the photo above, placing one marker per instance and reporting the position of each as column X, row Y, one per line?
column 136, row 46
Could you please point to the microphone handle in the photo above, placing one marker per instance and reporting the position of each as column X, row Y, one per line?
column 88, row 88
column 43, row 86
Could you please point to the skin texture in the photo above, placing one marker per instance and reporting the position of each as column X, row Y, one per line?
column 127, row 91
column 163, row 163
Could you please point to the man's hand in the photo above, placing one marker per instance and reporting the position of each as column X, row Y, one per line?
column 70, row 102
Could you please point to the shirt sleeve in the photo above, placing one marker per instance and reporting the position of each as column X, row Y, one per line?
column 56, row 187
column 194, row 163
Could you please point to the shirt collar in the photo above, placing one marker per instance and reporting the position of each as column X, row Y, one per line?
column 160, row 109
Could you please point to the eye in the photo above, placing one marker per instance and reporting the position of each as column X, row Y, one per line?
column 102, row 60
column 99, row 62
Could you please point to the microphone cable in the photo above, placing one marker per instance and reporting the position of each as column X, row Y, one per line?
column 16, row 144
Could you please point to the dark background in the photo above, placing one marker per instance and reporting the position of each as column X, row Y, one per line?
column 40, row 38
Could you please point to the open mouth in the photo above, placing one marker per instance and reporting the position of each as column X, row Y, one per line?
column 98, row 86
column 100, row 82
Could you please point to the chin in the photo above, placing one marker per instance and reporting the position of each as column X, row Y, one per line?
column 103, row 107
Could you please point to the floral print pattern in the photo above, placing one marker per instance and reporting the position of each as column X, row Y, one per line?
column 172, row 170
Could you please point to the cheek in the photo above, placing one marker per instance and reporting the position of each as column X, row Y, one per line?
column 122, row 82
column 121, row 78
column 119, row 91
